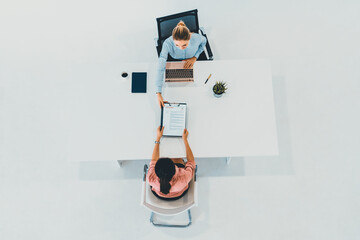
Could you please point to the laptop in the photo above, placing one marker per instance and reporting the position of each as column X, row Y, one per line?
column 175, row 72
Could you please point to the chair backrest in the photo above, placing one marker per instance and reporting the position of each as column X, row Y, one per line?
column 168, row 23
column 163, row 207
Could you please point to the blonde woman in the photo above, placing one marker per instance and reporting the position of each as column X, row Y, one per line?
column 182, row 45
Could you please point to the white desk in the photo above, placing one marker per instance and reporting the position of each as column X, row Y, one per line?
column 108, row 122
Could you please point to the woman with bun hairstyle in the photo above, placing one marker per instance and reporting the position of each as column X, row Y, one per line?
column 182, row 45
column 169, row 178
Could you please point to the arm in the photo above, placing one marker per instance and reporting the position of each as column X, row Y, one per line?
column 156, row 154
column 191, row 61
column 161, row 66
column 201, row 47
column 189, row 154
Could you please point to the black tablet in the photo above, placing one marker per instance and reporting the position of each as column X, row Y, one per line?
column 138, row 82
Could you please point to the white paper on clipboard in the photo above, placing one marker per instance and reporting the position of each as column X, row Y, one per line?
column 173, row 119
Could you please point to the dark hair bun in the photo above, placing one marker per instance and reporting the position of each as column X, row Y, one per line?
column 165, row 170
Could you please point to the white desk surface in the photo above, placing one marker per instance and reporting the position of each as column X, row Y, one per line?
column 107, row 122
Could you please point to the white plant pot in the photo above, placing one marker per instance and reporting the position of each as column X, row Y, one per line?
column 217, row 95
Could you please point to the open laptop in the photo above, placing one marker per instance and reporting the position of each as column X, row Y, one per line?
column 175, row 72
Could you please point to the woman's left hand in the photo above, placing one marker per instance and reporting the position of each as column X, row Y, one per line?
column 189, row 63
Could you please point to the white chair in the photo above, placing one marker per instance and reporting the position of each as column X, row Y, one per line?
column 168, row 208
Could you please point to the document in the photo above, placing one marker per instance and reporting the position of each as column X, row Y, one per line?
column 173, row 118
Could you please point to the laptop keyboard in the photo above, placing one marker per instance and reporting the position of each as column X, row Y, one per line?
column 179, row 73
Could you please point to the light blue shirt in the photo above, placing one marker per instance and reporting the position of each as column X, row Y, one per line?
column 194, row 49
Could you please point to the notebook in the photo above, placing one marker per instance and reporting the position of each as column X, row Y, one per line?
column 138, row 82
column 173, row 118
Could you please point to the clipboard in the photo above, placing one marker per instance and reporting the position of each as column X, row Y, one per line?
column 173, row 118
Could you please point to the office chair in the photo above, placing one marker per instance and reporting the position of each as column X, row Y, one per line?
column 168, row 23
column 169, row 208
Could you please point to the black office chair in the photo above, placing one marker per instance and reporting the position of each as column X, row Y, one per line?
column 168, row 23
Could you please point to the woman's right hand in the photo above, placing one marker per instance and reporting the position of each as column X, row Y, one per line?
column 185, row 134
column 160, row 100
column 159, row 133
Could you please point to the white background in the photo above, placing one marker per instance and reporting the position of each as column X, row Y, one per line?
column 310, row 191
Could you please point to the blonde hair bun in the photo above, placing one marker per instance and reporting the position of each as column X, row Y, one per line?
column 181, row 32
column 181, row 23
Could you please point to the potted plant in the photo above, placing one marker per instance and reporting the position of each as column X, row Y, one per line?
column 219, row 88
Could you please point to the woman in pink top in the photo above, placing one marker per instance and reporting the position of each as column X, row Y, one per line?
column 169, row 178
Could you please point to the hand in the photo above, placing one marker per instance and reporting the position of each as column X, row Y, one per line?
column 189, row 63
column 160, row 100
column 185, row 134
column 159, row 133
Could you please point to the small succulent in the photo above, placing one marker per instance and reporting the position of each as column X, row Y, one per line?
column 220, row 88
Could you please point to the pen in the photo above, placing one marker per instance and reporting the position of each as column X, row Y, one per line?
column 208, row 78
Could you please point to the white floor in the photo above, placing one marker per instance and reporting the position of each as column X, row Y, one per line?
column 310, row 191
